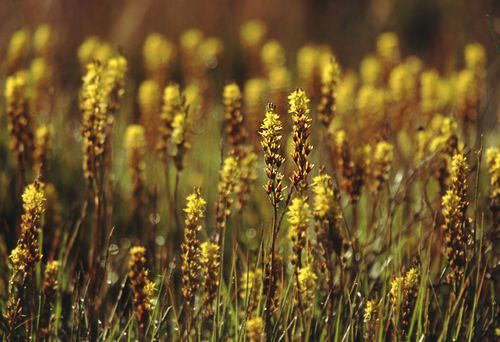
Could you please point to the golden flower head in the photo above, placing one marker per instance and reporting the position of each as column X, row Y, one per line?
column 15, row 86
column 172, row 96
column 231, row 93
column 459, row 168
column 493, row 161
column 324, row 200
column 230, row 171
column 396, row 289
column 34, row 198
column 195, row 206
column 370, row 310
column 298, row 213
column 384, row 151
column 180, row 126
column 209, row 252
column 255, row 329
column 307, row 281
column 298, row 102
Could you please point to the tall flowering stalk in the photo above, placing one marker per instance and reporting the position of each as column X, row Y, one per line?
column 456, row 224
column 19, row 122
column 103, row 87
column 328, row 219
column 210, row 261
column 234, row 119
column 370, row 319
column 301, row 147
column 143, row 287
column 403, row 297
column 228, row 176
column 21, row 306
column 191, row 251
column 172, row 106
column 379, row 165
column 42, row 152
column 271, row 144
column 50, row 287
column 329, row 81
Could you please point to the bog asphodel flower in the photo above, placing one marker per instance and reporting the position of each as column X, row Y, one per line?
column 456, row 224
column 142, row 287
column 299, row 215
column 307, row 281
column 190, row 248
column 299, row 109
column 210, row 261
column 330, row 77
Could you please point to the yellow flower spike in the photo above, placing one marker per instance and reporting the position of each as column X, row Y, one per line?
column 235, row 129
column 307, row 281
column 456, row 224
column 379, row 165
column 330, row 77
column 190, row 248
column 255, row 329
column 324, row 200
column 298, row 102
column 299, row 215
column 210, row 261
column 142, row 286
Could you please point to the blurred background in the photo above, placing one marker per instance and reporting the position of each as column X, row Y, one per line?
column 349, row 26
